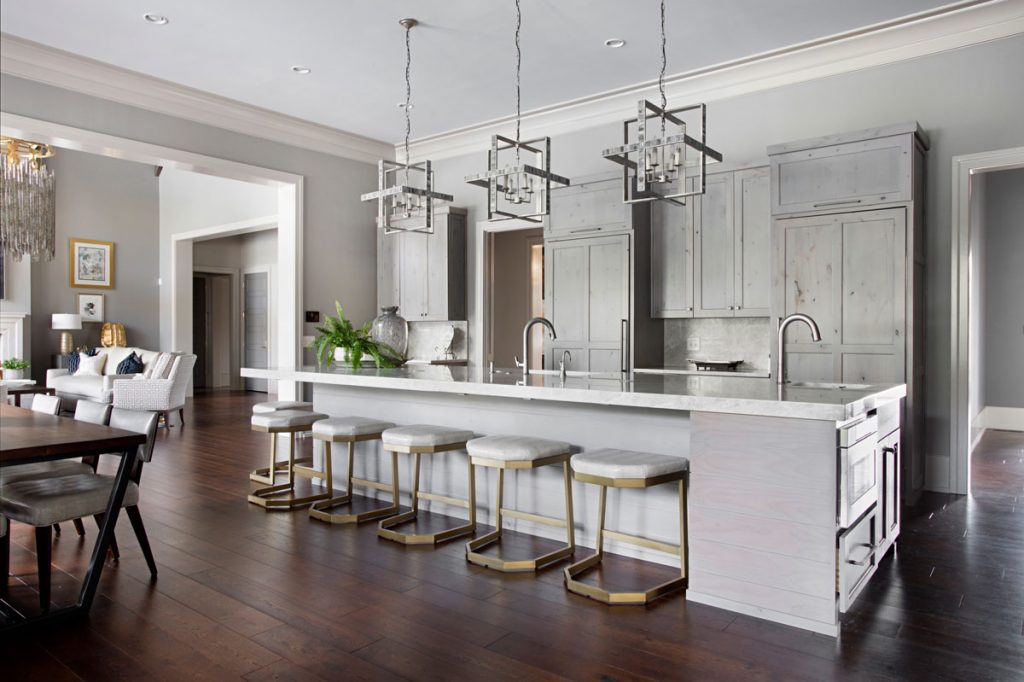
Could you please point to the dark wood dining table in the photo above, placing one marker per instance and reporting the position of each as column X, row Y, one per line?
column 27, row 437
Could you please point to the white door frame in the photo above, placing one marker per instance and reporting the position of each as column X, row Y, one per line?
column 269, row 269
column 482, row 322
column 964, row 167
column 289, row 221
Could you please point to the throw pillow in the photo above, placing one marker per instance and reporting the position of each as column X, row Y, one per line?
column 130, row 365
column 91, row 366
column 73, row 357
column 161, row 366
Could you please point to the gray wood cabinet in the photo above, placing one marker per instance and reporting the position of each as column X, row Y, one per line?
column 590, row 205
column 848, row 219
column 425, row 274
column 711, row 258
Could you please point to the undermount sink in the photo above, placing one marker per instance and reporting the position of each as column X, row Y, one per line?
column 827, row 386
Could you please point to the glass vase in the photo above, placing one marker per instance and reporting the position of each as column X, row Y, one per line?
column 392, row 330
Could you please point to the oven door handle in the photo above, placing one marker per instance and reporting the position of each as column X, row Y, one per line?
column 867, row 555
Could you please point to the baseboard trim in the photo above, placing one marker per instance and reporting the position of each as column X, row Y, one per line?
column 1003, row 418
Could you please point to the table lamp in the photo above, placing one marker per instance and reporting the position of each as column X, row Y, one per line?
column 64, row 322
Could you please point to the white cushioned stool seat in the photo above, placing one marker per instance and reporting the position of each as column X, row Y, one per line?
column 286, row 419
column 25, row 472
column 424, row 435
column 278, row 405
column 618, row 464
column 349, row 426
column 46, row 501
column 515, row 448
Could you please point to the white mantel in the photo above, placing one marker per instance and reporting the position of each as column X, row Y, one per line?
column 12, row 334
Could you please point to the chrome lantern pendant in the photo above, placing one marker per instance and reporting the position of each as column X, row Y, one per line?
column 405, row 193
column 664, row 154
column 517, row 189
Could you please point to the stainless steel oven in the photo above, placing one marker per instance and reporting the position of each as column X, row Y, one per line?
column 858, row 470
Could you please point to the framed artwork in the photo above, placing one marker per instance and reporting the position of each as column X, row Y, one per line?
column 91, row 264
column 90, row 307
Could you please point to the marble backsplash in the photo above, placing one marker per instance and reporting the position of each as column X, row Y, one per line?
column 741, row 338
column 426, row 339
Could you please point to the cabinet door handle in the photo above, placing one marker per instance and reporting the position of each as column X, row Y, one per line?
column 587, row 229
column 837, row 203
column 888, row 450
column 624, row 345
column 867, row 556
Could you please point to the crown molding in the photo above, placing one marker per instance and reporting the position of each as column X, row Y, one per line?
column 43, row 64
column 946, row 28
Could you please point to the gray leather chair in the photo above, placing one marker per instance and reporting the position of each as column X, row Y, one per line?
column 43, row 502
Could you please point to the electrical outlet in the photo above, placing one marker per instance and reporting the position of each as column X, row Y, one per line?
column 692, row 343
column 693, row 383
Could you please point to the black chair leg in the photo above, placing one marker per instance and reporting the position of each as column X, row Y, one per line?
column 140, row 532
column 79, row 527
column 114, row 551
column 56, row 529
column 181, row 415
column 44, row 541
column 5, row 559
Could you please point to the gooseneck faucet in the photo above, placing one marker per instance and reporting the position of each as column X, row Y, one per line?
column 525, row 364
column 780, row 365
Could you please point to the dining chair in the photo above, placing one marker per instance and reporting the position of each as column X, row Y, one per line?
column 47, row 404
column 43, row 502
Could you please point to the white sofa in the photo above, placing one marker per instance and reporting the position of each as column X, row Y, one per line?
column 98, row 389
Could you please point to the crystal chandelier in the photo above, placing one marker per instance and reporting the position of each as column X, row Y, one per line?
column 405, row 193
column 654, row 162
column 518, row 190
column 27, row 225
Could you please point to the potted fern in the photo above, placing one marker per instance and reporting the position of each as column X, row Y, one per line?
column 354, row 343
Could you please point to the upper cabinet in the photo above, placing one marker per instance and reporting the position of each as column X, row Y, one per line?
column 425, row 274
column 872, row 167
column 589, row 206
column 710, row 258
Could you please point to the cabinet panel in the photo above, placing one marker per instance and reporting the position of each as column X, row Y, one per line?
column 871, row 368
column 388, row 271
column 413, row 289
column 844, row 175
column 672, row 260
column 567, row 279
column 809, row 366
column 873, row 271
column 752, row 237
column 604, row 360
column 609, row 290
column 437, row 276
column 714, row 256
column 587, row 207
column 809, row 269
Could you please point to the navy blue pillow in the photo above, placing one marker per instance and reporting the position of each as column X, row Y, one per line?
column 130, row 365
column 74, row 358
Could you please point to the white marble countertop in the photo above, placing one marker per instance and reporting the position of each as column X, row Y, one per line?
column 733, row 395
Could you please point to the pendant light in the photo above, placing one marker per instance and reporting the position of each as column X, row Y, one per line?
column 657, row 148
column 405, row 205
column 27, row 200
column 518, row 190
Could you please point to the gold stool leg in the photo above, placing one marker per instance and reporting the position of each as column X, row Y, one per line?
column 264, row 496
column 386, row 528
column 267, row 475
column 320, row 510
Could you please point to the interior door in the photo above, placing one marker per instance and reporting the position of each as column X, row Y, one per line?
column 588, row 301
column 200, row 317
column 256, row 326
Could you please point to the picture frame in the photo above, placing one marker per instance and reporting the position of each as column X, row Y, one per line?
column 90, row 264
column 91, row 307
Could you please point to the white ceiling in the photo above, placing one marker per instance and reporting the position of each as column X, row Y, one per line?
column 463, row 54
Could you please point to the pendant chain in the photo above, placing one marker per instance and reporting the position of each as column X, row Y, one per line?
column 408, row 99
column 519, row 64
column 661, row 76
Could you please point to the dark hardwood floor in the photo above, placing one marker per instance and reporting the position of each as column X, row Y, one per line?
column 244, row 593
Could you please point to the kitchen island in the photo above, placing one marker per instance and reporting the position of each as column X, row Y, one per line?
column 794, row 494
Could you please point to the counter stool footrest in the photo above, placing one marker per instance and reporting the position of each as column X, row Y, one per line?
column 263, row 497
column 320, row 511
column 641, row 542
column 385, row 529
column 436, row 497
column 536, row 518
column 474, row 547
column 602, row 595
column 377, row 485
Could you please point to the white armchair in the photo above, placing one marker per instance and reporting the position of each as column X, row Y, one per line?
column 158, row 395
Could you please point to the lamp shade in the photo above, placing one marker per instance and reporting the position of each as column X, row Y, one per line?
column 65, row 321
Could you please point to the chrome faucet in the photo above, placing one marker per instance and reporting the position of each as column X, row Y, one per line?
column 564, row 363
column 780, row 365
column 525, row 364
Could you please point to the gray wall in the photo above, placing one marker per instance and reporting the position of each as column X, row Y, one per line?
column 964, row 99
column 340, row 251
column 1003, row 274
column 109, row 200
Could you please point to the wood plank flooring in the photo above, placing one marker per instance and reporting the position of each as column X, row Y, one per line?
column 247, row 594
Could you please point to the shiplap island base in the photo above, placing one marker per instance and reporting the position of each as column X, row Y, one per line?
column 794, row 493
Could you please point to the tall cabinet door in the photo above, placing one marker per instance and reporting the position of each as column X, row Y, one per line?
column 672, row 259
column 414, row 274
column 714, row 261
column 588, row 293
column 752, row 235
column 389, row 269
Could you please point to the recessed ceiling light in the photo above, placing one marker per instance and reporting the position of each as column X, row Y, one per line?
column 157, row 19
column 401, row 105
column 301, row 69
column 614, row 42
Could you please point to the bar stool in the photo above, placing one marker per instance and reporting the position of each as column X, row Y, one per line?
column 520, row 452
column 626, row 469
column 290, row 422
column 263, row 475
column 418, row 440
column 352, row 430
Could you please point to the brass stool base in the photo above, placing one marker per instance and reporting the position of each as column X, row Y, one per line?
column 319, row 511
column 385, row 529
column 572, row 571
column 262, row 497
column 537, row 563
column 262, row 475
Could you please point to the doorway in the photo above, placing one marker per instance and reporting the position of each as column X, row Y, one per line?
column 516, row 273
column 213, row 336
column 256, row 324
